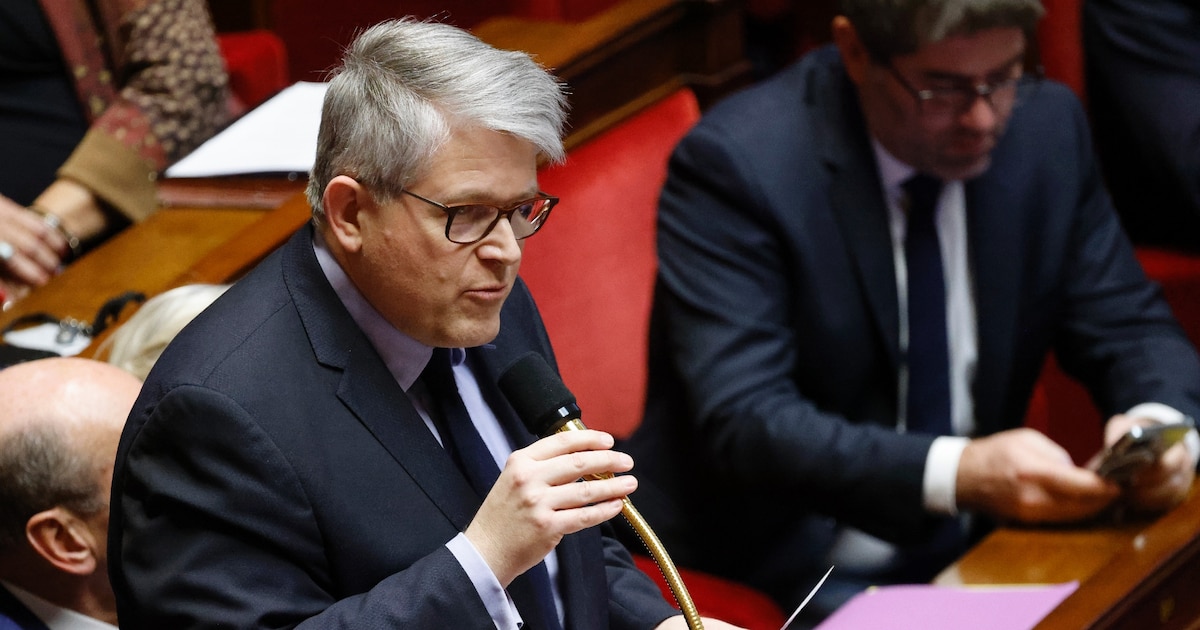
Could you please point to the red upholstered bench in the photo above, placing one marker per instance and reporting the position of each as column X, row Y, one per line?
column 591, row 272
column 257, row 65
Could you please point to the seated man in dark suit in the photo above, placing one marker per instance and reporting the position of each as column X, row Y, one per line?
column 60, row 420
column 841, row 358
column 326, row 445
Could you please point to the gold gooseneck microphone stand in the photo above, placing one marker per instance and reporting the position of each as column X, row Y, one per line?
column 546, row 406
column 653, row 545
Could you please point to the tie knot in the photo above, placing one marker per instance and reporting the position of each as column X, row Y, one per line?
column 437, row 375
column 922, row 191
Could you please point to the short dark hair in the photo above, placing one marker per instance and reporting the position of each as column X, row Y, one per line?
column 891, row 28
column 38, row 471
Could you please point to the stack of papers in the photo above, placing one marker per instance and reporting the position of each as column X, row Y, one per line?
column 277, row 137
column 926, row 607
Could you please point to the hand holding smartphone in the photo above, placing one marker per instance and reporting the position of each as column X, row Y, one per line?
column 1139, row 448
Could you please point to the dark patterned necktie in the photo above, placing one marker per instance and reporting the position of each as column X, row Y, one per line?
column 928, row 349
column 531, row 590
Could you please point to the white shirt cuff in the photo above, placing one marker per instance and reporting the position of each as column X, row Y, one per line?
column 941, row 474
column 1167, row 414
column 499, row 605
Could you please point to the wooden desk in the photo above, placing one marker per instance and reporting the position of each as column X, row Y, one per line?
column 177, row 245
column 1141, row 574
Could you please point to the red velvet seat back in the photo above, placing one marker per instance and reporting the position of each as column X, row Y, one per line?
column 1060, row 43
column 257, row 64
column 591, row 269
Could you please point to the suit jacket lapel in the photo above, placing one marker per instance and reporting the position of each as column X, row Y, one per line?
column 996, row 233
column 856, row 197
column 368, row 389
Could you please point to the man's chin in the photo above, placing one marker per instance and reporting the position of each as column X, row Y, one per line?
column 964, row 169
column 476, row 334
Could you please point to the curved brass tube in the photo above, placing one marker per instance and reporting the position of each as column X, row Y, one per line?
column 659, row 553
column 653, row 545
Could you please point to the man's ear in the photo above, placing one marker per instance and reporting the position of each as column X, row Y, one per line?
column 854, row 54
column 344, row 202
column 64, row 540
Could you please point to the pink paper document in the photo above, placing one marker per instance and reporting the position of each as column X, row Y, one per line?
column 927, row 607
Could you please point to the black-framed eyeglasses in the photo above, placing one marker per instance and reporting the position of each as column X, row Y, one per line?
column 470, row 223
column 955, row 99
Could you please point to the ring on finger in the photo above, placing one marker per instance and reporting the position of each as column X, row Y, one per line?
column 51, row 220
column 6, row 251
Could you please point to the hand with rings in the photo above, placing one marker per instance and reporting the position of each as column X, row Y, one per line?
column 31, row 248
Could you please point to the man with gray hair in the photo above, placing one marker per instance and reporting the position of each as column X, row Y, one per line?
column 864, row 262
column 60, row 419
column 326, row 446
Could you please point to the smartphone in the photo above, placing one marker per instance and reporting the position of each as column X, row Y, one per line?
column 1139, row 448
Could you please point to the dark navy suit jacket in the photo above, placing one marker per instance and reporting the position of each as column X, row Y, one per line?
column 774, row 352
column 273, row 474
column 15, row 616
column 1143, row 84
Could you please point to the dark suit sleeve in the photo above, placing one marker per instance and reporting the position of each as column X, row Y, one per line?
column 1117, row 333
column 737, row 260
column 218, row 532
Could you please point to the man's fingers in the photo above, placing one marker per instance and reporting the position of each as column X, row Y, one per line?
column 565, row 442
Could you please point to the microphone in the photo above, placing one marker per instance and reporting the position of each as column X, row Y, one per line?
column 539, row 396
column 546, row 406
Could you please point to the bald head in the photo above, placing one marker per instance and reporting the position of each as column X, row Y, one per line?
column 66, row 392
column 60, row 421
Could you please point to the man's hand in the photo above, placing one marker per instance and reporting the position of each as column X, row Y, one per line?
column 1022, row 475
column 537, row 499
column 1163, row 485
column 679, row 623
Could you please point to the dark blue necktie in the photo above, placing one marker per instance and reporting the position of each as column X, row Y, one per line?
column 928, row 365
column 531, row 590
column 928, row 349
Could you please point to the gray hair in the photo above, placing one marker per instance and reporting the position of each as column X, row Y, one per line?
column 891, row 28
column 404, row 86
column 38, row 471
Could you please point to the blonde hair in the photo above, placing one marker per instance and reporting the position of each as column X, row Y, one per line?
column 135, row 345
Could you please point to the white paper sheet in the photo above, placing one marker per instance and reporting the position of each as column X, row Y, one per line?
column 279, row 136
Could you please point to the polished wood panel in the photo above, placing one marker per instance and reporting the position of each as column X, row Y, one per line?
column 259, row 192
column 631, row 55
column 1138, row 573
column 178, row 245
column 239, row 254
column 146, row 257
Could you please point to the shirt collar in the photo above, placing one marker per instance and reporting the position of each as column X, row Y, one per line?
column 55, row 617
column 404, row 356
column 892, row 172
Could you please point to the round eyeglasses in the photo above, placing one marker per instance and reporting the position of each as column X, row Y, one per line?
column 952, row 100
column 470, row 223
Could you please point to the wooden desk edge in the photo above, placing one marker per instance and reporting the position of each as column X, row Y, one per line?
column 236, row 256
column 1134, row 574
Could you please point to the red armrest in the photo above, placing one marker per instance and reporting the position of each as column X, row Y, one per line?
column 719, row 598
column 257, row 65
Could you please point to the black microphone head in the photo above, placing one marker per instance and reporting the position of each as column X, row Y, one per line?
column 538, row 395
